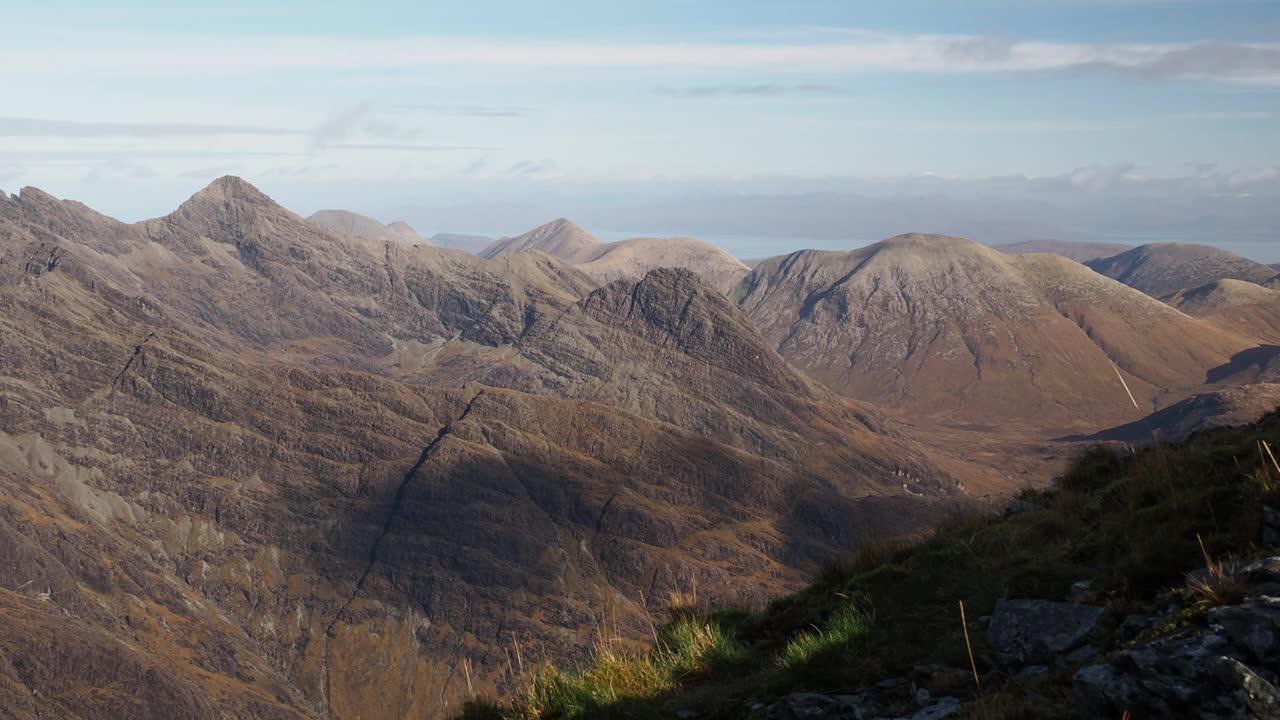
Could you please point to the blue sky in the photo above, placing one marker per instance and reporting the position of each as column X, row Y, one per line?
column 1074, row 118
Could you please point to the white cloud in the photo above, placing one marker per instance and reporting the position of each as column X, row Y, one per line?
column 43, row 127
column 1097, row 178
column 852, row 51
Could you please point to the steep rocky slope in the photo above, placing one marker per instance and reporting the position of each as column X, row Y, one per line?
column 1078, row 251
column 947, row 328
column 209, row 513
column 361, row 226
column 630, row 259
column 1161, row 269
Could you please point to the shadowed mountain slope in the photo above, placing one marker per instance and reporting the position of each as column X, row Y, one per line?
column 1218, row 408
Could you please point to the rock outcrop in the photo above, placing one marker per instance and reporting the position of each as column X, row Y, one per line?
column 1226, row 669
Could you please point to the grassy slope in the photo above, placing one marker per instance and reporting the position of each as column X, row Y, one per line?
column 1126, row 521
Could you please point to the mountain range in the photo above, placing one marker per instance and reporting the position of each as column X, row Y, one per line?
column 232, row 491
column 946, row 328
column 256, row 465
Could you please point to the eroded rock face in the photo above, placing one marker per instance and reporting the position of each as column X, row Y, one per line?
column 1192, row 675
column 1227, row 669
column 221, row 498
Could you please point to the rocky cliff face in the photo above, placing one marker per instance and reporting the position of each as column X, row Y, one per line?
column 224, row 498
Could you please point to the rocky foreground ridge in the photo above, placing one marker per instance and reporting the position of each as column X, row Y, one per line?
column 1144, row 584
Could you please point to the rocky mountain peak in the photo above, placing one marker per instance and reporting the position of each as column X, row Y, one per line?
column 232, row 210
column 561, row 238
column 233, row 189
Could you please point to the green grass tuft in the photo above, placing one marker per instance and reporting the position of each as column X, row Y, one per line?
column 846, row 625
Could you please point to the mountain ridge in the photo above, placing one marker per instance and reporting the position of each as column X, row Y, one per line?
column 964, row 331
column 255, row 511
column 631, row 258
column 1161, row 269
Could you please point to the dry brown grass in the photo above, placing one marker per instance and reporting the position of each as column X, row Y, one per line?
column 1220, row 586
column 964, row 624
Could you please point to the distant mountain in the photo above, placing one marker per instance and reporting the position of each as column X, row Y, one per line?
column 246, row 473
column 1243, row 306
column 947, row 328
column 1161, row 269
column 473, row 244
column 1078, row 251
column 361, row 226
column 632, row 258
column 559, row 238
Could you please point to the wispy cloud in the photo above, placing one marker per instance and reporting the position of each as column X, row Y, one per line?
column 204, row 173
column 119, row 169
column 408, row 147
column 494, row 111
column 43, row 127
column 338, row 126
column 853, row 51
column 533, row 168
column 758, row 90
column 359, row 127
